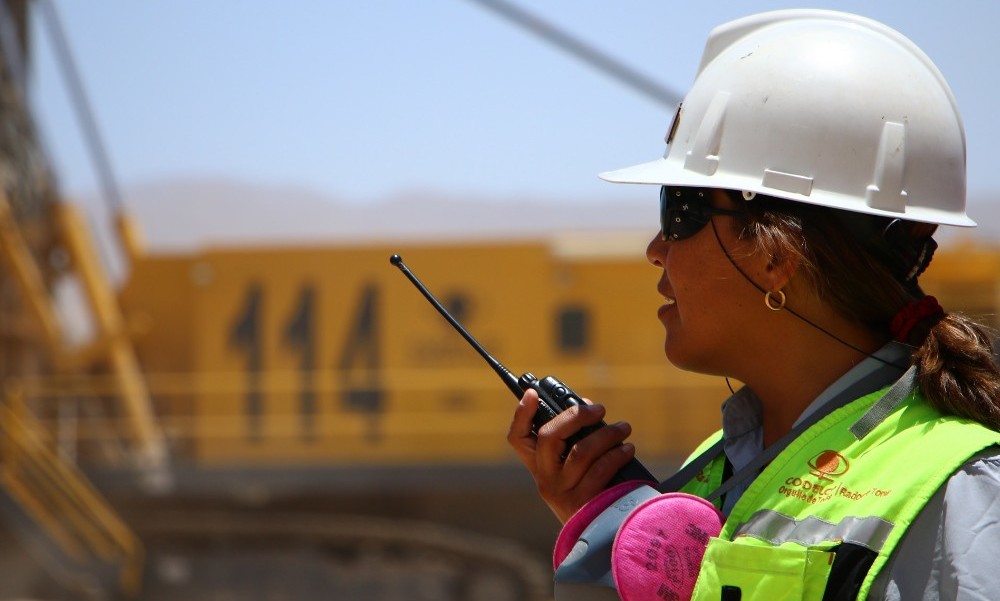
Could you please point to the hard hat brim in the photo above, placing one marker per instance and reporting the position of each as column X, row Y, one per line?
column 651, row 172
column 661, row 172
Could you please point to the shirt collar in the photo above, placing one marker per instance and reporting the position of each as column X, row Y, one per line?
column 742, row 413
column 892, row 359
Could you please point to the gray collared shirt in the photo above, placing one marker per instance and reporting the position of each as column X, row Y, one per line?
column 952, row 549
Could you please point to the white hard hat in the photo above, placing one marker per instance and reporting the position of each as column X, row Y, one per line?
column 820, row 107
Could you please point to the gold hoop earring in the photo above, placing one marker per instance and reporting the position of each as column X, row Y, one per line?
column 771, row 303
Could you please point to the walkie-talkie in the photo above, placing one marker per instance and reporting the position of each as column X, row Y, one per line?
column 554, row 396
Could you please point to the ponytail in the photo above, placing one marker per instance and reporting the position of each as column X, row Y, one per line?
column 957, row 370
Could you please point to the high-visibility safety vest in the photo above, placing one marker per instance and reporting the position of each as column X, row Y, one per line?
column 822, row 519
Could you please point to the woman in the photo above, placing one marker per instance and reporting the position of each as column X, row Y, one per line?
column 806, row 172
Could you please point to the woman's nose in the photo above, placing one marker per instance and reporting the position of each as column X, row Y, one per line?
column 656, row 251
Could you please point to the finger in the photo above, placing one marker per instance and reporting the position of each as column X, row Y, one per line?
column 591, row 448
column 604, row 468
column 592, row 483
column 564, row 502
column 551, row 445
column 519, row 435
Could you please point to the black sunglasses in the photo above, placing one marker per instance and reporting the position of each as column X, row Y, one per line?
column 684, row 211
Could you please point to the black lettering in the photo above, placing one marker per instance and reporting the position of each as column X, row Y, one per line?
column 667, row 593
column 299, row 334
column 360, row 361
column 245, row 335
column 696, row 534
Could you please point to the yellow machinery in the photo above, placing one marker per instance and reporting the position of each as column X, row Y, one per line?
column 285, row 357
column 44, row 498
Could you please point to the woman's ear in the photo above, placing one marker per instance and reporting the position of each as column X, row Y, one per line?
column 779, row 271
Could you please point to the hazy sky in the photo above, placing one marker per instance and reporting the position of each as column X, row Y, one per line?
column 369, row 99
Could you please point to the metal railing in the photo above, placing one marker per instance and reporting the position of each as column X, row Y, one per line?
column 82, row 534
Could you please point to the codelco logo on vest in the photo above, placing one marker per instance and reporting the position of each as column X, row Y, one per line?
column 824, row 468
column 828, row 465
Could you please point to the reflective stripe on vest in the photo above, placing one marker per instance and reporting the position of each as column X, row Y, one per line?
column 778, row 529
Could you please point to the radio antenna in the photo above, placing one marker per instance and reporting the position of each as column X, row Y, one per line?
column 508, row 378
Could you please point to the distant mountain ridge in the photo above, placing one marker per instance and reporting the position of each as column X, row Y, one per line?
column 184, row 215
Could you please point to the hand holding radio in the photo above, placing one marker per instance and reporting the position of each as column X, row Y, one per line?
column 562, row 439
column 569, row 475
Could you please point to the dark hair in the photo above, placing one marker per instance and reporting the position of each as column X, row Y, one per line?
column 866, row 268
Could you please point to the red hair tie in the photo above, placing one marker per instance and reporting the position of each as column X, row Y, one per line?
column 913, row 313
